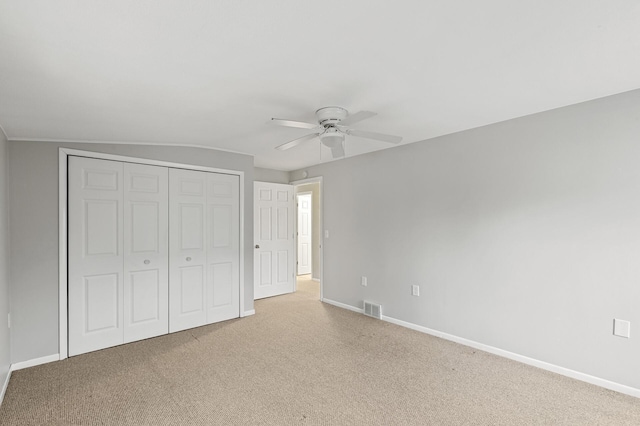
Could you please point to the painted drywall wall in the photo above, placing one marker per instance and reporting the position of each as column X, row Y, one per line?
column 268, row 175
column 34, row 232
column 522, row 235
column 5, row 341
column 314, row 188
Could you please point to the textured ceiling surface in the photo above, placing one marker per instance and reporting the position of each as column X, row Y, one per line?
column 212, row 73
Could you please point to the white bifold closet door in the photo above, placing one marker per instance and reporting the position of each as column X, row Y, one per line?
column 204, row 248
column 118, row 253
column 146, row 251
column 127, row 279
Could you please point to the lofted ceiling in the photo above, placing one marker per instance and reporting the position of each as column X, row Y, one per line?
column 212, row 73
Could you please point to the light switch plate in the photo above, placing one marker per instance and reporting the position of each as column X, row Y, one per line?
column 621, row 328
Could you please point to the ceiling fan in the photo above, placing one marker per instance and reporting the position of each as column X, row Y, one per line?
column 333, row 124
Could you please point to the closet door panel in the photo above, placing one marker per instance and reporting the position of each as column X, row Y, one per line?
column 146, row 249
column 152, row 250
column 95, row 251
column 187, row 253
column 223, row 247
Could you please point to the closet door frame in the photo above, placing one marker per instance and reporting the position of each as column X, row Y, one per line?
column 63, row 155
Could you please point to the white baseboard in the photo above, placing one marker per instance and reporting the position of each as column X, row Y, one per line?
column 607, row 384
column 34, row 362
column 343, row 305
column 25, row 364
column 249, row 313
column 5, row 385
column 316, row 279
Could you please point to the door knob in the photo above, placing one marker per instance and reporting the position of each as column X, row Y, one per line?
column 188, row 259
column 147, row 261
column 257, row 245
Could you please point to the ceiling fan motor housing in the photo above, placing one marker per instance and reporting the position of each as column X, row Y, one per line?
column 330, row 116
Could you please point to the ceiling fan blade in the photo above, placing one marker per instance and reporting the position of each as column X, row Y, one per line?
column 337, row 151
column 376, row 136
column 292, row 123
column 358, row 116
column 296, row 142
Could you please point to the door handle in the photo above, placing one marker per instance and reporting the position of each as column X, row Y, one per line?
column 147, row 261
column 257, row 245
column 188, row 259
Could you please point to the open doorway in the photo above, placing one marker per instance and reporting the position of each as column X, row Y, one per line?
column 309, row 234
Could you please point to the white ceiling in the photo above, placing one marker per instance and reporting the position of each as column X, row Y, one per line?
column 212, row 73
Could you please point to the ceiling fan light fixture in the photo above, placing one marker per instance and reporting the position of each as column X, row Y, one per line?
column 332, row 138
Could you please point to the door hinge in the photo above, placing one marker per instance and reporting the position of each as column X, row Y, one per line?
column 8, row 320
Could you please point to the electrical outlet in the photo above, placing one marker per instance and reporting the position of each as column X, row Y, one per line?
column 363, row 281
column 326, row 233
column 621, row 328
column 415, row 290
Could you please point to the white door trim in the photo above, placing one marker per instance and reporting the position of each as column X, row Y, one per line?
column 321, row 218
column 63, row 154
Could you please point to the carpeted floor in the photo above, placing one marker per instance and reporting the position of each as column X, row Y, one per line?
column 299, row 361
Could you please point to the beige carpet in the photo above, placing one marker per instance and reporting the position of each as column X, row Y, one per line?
column 299, row 361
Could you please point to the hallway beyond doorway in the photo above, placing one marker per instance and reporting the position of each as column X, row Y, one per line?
column 305, row 284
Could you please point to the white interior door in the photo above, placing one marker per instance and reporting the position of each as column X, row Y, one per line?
column 187, row 252
column 304, row 234
column 146, row 251
column 274, row 209
column 223, row 247
column 95, row 253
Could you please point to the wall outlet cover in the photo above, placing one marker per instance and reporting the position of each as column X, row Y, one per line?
column 415, row 290
column 621, row 328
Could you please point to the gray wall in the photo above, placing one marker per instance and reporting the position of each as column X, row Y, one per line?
column 34, row 232
column 268, row 175
column 523, row 235
column 5, row 354
column 316, row 232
